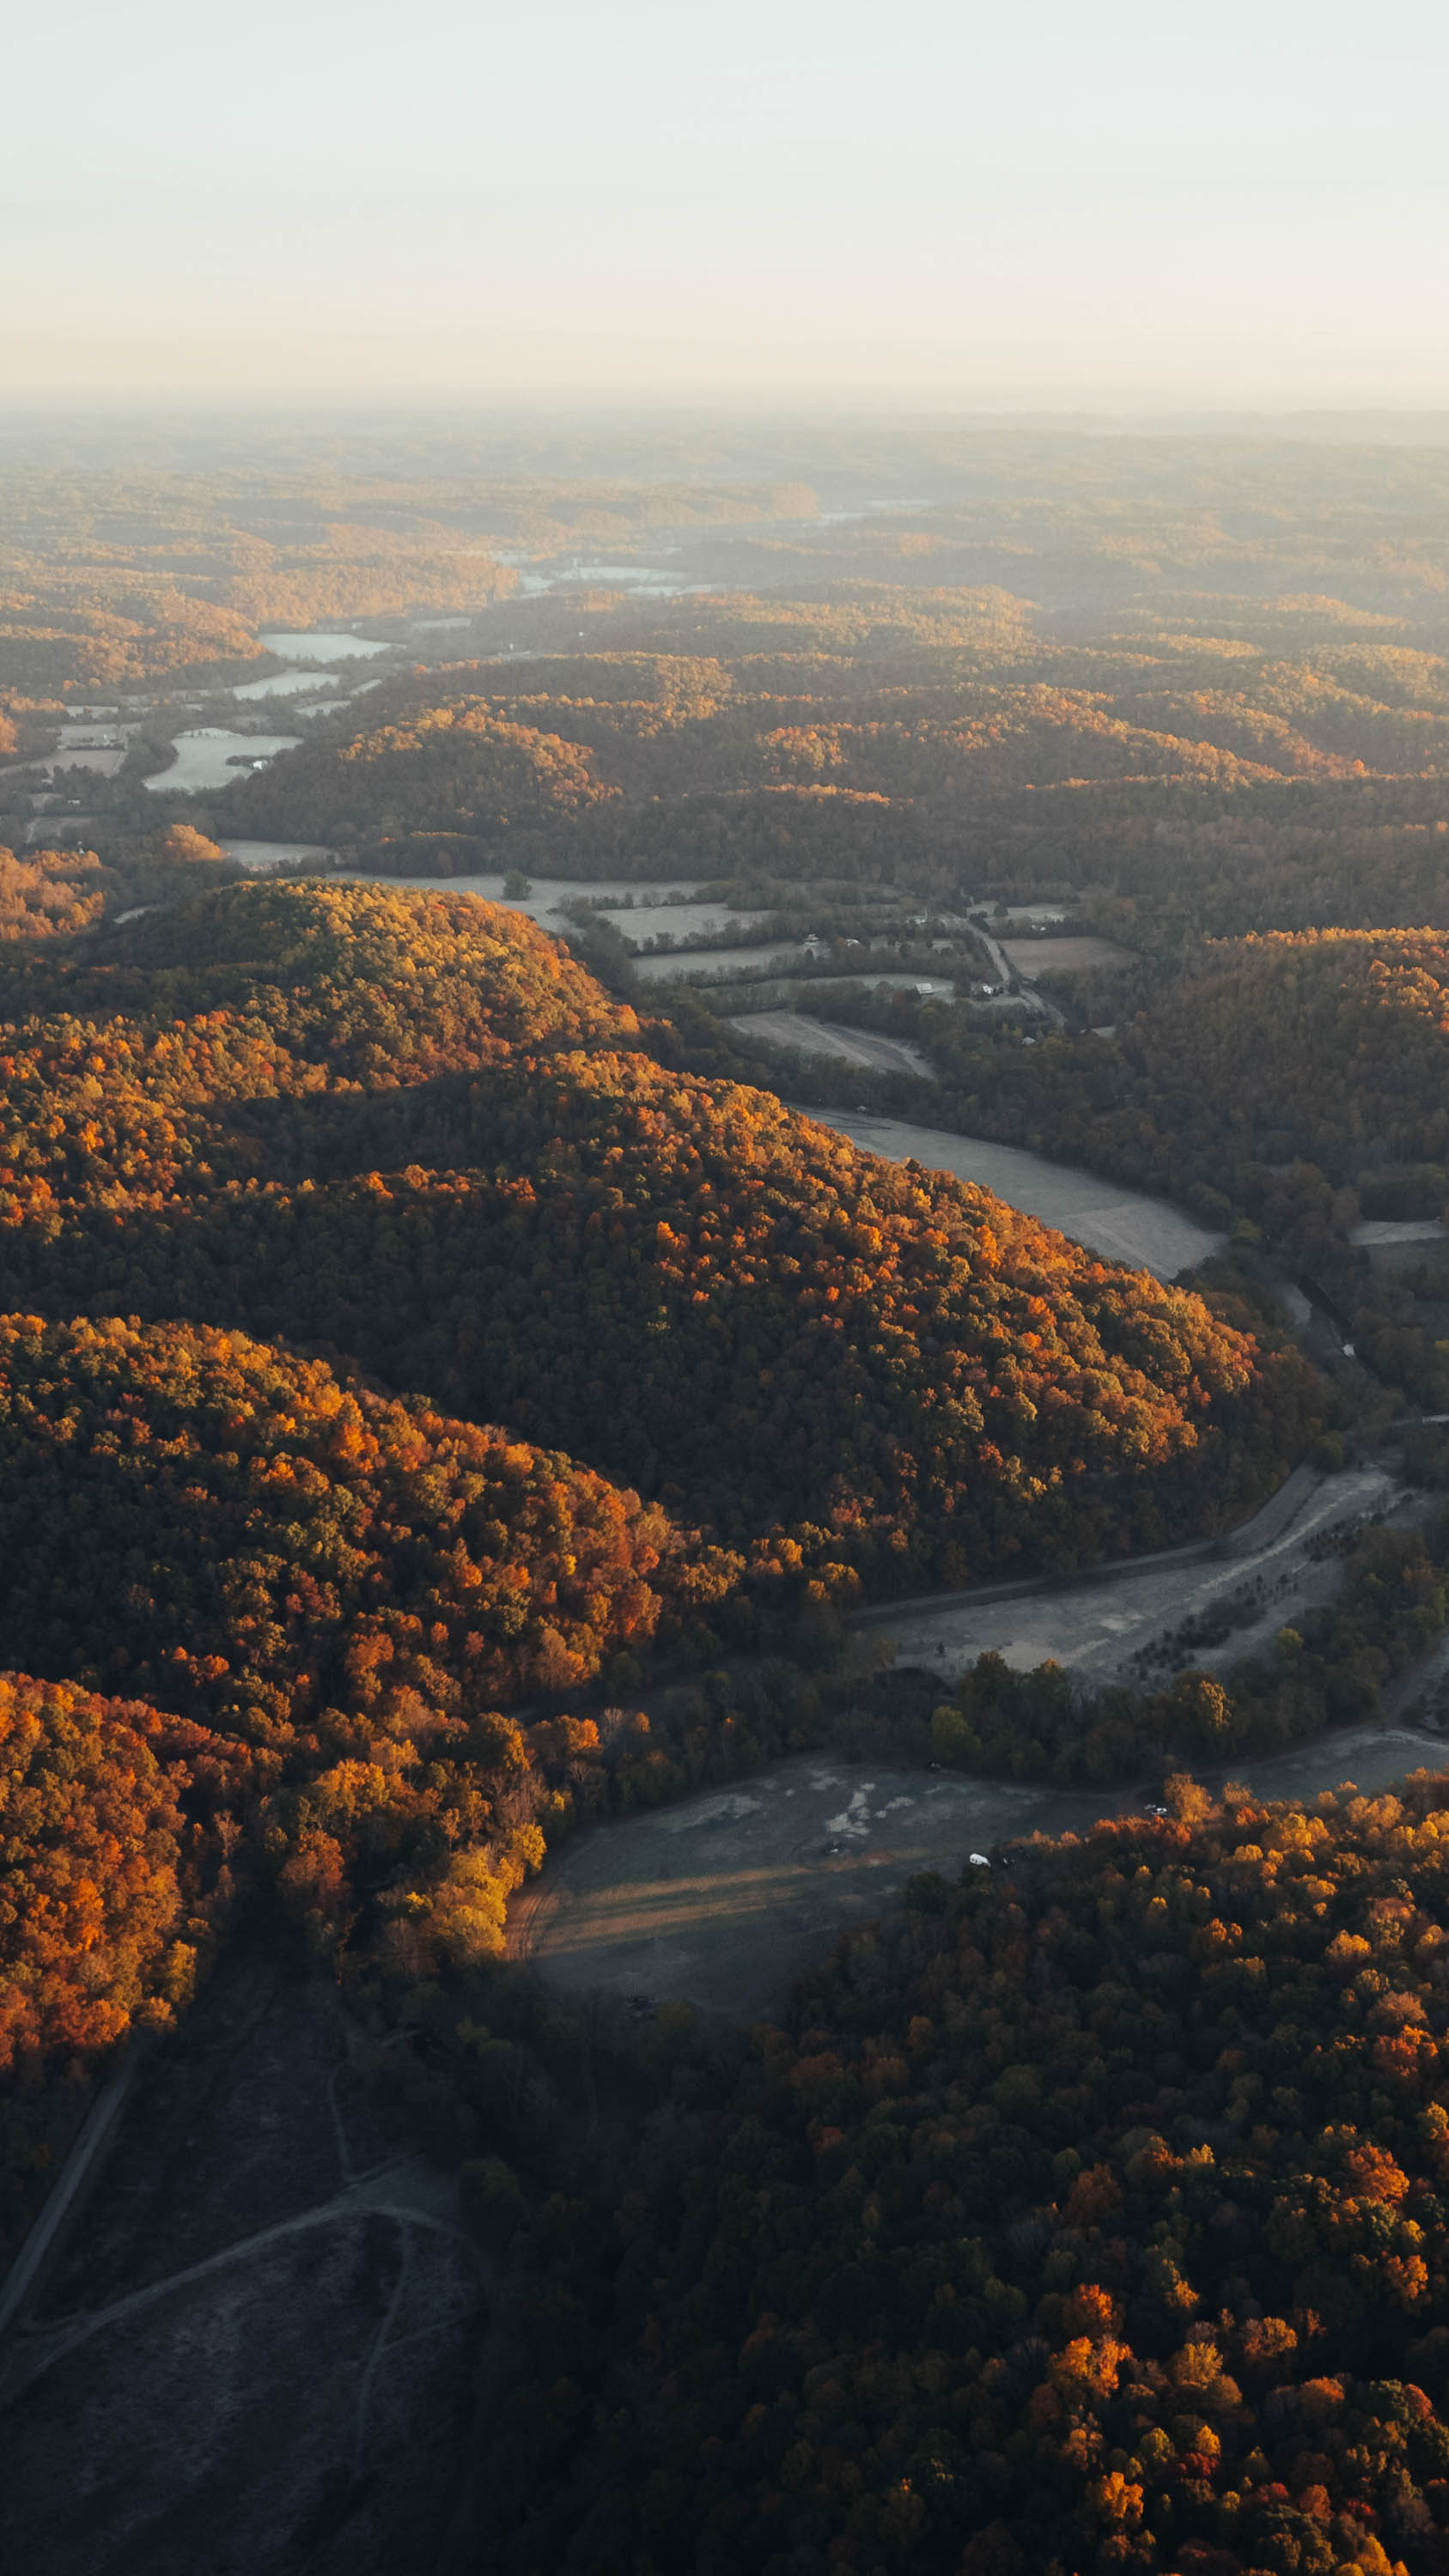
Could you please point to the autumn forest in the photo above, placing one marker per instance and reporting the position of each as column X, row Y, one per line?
column 469, row 1383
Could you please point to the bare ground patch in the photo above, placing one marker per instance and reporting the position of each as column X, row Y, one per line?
column 252, row 2358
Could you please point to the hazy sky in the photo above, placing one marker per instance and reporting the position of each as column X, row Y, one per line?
column 1021, row 204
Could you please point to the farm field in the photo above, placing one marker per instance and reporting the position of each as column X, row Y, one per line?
column 1033, row 957
column 824, row 1037
column 546, row 897
column 681, row 921
column 702, row 966
column 1125, row 1226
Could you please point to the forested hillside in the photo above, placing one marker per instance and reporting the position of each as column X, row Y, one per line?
column 1328, row 1048
column 705, row 1295
column 443, row 1407
column 313, row 1601
column 103, row 1917
column 942, row 741
column 1083, row 2220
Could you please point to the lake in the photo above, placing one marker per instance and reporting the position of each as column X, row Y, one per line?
column 202, row 758
column 1121, row 1225
column 643, row 581
column 315, row 647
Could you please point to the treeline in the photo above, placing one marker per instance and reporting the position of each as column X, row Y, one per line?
column 1087, row 2216
column 50, row 893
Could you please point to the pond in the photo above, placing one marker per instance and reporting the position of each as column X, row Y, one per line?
column 315, row 647
column 1120, row 1224
column 203, row 758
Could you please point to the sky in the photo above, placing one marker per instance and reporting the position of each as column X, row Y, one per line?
column 1040, row 206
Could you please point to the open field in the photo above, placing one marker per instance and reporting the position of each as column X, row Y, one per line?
column 722, row 1900
column 545, row 898
column 704, row 965
column 1120, row 1224
column 1064, row 956
column 681, row 921
column 1380, row 1232
column 826, row 1037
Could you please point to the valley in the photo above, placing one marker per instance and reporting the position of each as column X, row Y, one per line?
column 723, row 1376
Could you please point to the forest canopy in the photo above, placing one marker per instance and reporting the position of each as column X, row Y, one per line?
column 1085, row 2217
column 413, row 1130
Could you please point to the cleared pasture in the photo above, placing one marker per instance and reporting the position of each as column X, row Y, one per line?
column 703, row 966
column 1065, row 956
column 681, row 921
column 826, row 1038
column 1096, row 1627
